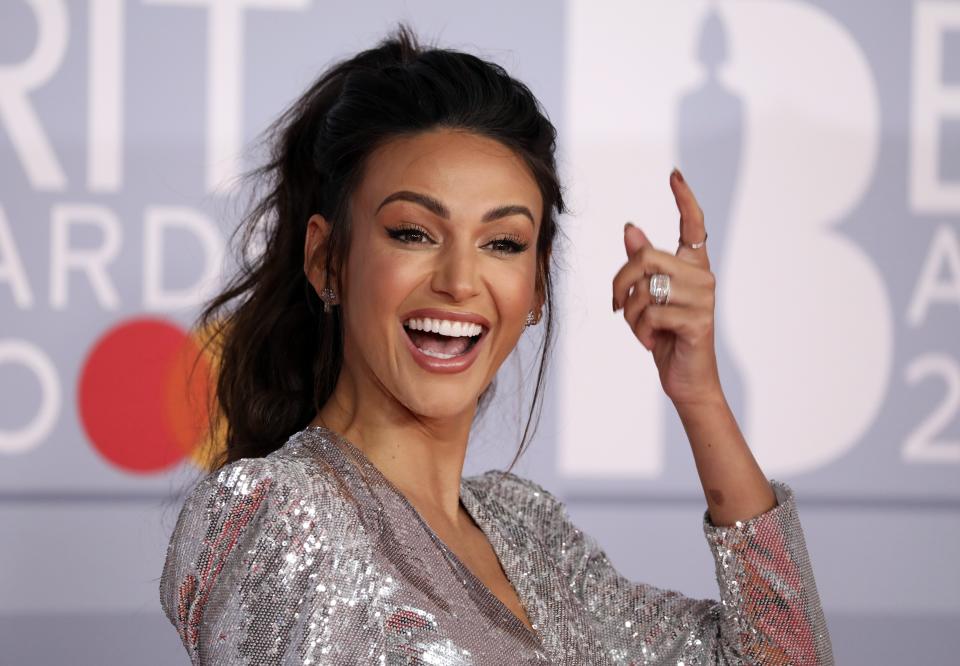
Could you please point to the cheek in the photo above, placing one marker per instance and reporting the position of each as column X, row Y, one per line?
column 513, row 288
column 377, row 282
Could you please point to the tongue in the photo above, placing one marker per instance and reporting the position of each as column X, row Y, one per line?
column 434, row 342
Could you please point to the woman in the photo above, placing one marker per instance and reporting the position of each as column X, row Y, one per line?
column 409, row 228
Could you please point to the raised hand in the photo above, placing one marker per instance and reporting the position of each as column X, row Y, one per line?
column 679, row 332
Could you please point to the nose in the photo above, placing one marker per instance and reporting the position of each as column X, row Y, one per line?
column 456, row 272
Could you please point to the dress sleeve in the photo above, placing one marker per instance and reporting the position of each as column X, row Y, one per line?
column 254, row 570
column 769, row 611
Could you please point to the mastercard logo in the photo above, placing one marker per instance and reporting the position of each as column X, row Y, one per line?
column 144, row 397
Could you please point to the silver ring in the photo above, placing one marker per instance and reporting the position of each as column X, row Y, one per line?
column 696, row 246
column 660, row 288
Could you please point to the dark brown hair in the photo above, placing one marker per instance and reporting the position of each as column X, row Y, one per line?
column 279, row 354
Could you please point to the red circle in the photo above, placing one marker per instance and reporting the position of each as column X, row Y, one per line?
column 135, row 402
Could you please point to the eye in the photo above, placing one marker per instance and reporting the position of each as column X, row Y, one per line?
column 508, row 245
column 409, row 233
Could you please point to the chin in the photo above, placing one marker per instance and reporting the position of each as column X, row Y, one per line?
column 442, row 404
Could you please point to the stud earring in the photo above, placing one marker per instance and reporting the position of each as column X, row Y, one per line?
column 531, row 318
column 329, row 297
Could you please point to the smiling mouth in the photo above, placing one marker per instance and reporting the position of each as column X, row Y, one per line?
column 442, row 346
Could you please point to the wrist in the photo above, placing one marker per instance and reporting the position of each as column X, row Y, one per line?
column 710, row 401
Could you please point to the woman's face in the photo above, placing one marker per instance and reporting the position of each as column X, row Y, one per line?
column 447, row 221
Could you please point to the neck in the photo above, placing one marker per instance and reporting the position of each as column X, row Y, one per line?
column 422, row 456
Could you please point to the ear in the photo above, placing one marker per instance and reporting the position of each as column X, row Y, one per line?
column 315, row 243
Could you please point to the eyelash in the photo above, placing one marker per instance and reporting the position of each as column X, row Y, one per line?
column 512, row 241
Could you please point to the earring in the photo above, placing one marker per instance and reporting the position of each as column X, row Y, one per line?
column 329, row 297
column 531, row 318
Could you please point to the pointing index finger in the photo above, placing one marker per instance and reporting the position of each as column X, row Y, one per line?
column 692, row 227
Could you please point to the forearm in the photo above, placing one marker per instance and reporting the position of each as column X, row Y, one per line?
column 733, row 484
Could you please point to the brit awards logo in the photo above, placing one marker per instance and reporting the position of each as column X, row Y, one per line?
column 835, row 246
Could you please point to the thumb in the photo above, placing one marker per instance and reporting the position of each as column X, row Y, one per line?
column 633, row 239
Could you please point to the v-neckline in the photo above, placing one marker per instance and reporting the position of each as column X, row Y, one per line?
column 473, row 508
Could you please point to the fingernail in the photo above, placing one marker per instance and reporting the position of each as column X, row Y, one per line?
column 616, row 306
column 628, row 224
column 679, row 175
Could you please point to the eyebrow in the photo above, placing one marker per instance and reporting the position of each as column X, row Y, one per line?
column 437, row 208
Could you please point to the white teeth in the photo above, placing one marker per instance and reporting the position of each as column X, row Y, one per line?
column 454, row 329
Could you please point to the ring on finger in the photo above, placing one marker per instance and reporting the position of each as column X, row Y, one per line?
column 695, row 246
column 660, row 288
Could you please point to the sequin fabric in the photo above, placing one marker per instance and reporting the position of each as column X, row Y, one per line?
column 311, row 556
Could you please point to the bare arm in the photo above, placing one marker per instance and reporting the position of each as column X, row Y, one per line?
column 733, row 483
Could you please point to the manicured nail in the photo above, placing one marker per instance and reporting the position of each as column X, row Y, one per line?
column 627, row 224
column 679, row 175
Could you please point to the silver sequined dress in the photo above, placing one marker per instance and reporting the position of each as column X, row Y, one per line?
column 311, row 556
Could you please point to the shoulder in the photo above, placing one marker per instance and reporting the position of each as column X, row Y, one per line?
column 513, row 493
column 237, row 509
column 515, row 500
column 223, row 504
column 255, row 484
column 288, row 474
column 259, row 533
